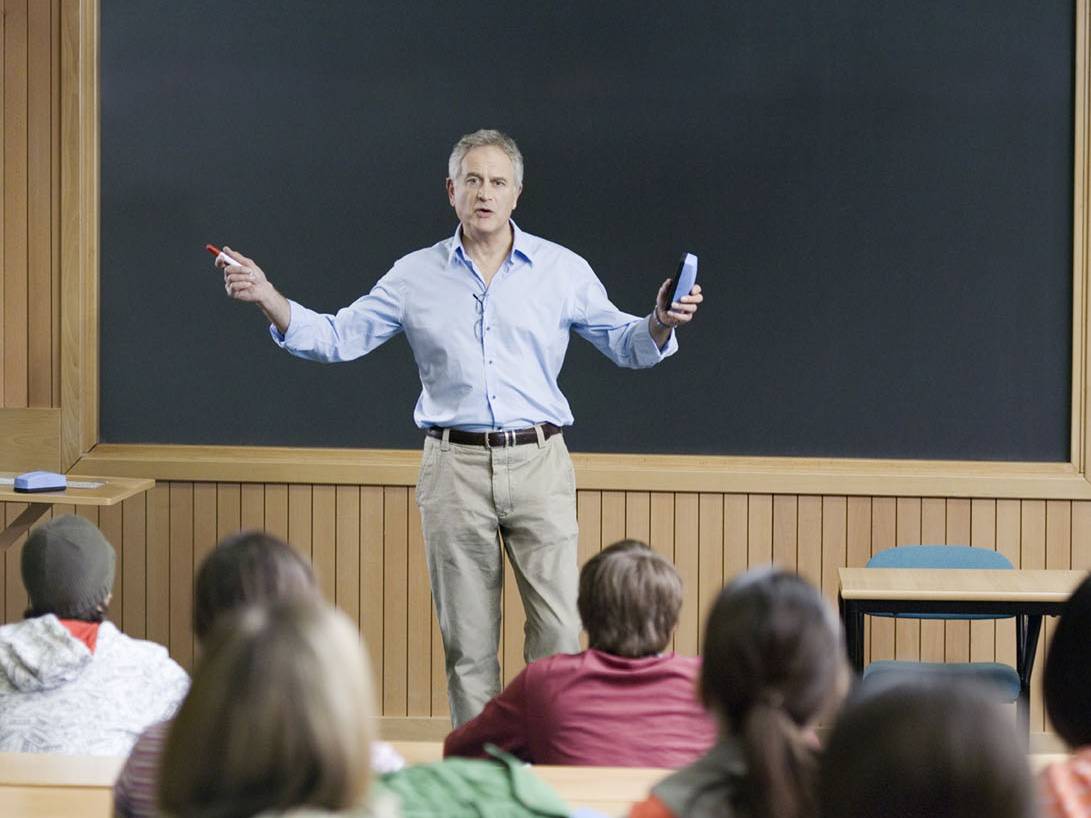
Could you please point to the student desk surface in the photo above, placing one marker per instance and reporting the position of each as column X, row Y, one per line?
column 40, row 785
column 108, row 491
column 1028, row 595
column 35, row 785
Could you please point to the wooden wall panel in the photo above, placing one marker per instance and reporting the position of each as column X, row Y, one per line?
column 956, row 646
column 368, row 551
column 29, row 204
column 16, row 134
column 685, row 560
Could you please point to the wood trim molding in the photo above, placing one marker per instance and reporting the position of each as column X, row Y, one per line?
column 32, row 439
column 79, row 227
column 1081, row 232
column 622, row 472
column 79, row 427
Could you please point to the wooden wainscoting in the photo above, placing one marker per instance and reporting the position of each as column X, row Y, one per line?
column 366, row 546
column 29, row 203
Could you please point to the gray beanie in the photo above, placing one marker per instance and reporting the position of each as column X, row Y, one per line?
column 68, row 567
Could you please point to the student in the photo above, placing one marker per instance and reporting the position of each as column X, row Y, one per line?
column 71, row 682
column 919, row 747
column 774, row 663
column 279, row 720
column 621, row 703
column 1066, row 785
column 249, row 568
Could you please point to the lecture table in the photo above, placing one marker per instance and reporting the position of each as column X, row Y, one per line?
column 81, row 491
column 1026, row 594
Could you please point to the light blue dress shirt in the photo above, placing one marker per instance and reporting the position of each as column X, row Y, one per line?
column 488, row 357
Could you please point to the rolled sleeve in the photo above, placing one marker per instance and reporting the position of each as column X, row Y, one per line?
column 353, row 331
column 623, row 338
column 648, row 351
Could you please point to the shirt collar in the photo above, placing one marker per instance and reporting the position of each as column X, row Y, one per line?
column 521, row 245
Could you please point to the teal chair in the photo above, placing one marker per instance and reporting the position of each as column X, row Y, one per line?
column 1001, row 678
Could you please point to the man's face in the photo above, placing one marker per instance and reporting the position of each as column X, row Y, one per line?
column 484, row 194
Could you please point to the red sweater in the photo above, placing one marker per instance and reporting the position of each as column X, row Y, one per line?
column 595, row 709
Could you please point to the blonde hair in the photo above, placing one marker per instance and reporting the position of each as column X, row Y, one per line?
column 280, row 715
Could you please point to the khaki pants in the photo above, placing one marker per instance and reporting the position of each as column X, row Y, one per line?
column 470, row 496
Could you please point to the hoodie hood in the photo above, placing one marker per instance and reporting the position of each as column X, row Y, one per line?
column 40, row 654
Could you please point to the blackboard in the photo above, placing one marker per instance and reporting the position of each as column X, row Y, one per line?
column 880, row 194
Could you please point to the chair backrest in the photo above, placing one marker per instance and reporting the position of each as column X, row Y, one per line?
column 939, row 556
column 956, row 557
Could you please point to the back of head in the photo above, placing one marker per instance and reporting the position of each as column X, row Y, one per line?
column 629, row 600
column 1068, row 667
column 68, row 569
column 248, row 568
column 774, row 662
column 919, row 748
column 279, row 716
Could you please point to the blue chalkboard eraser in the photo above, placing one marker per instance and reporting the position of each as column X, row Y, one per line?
column 34, row 481
column 686, row 276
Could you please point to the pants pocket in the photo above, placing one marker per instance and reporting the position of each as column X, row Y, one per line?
column 426, row 475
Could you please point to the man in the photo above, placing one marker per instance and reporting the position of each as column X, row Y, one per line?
column 621, row 703
column 487, row 314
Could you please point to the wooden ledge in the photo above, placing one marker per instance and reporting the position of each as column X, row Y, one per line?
column 606, row 472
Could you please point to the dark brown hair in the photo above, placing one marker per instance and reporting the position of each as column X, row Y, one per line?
column 774, row 662
column 1068, row 667
column 924, row 748
column 629, row 600
column 280, row 715
column 248, row 568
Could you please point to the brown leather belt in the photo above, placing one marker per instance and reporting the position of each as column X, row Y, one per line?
column 495, row 440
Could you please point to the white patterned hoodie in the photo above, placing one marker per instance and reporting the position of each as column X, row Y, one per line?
column 56, row 696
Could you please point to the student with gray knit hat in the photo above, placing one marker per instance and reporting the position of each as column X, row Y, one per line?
column 68, row 570
column 71, row 682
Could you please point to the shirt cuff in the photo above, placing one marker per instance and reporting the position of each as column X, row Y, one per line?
column 647, row 350
column 283, row 340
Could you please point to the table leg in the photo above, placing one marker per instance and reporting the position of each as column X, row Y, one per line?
column 853, row 621
column 1027, row 630
column 21, row 524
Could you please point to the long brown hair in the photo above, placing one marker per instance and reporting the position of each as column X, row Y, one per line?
column 280, row 715
column 939, row 747
column 774, row 662
column 1068, row 667
column 248, row 568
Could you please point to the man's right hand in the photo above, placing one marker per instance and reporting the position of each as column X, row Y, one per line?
column 246, row 281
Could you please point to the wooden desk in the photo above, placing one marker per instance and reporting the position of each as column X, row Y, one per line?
column 1025, row 594
column 112, row 490
column 40, row 785
column 44, row 785
column 611, row 790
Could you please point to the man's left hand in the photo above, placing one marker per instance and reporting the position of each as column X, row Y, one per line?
column 676, row 313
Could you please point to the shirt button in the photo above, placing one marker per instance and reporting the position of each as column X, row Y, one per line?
column 493, row 397
column 488, row 329
column 490, row 362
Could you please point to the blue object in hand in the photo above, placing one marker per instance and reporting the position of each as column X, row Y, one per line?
column 35, row 481
column 686, row 277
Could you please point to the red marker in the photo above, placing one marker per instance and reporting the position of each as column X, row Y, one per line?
column 220, row 254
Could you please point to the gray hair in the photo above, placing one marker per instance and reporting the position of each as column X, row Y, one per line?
column 481, row 139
